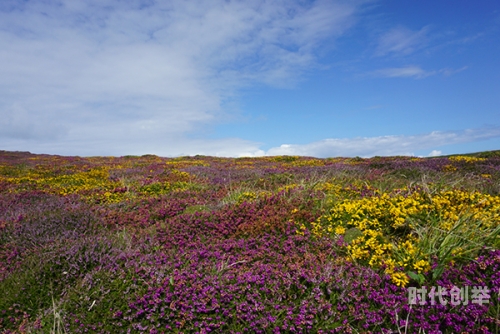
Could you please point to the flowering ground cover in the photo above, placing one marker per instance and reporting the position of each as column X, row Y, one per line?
column 143, row 244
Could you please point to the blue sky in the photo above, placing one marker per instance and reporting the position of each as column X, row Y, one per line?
column 318, row 78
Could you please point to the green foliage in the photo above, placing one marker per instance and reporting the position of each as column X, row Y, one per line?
column 352, row 234
column 102, row 295
column 156, row 189
column 29, row 290
column 462, row 242
column 192, row 209
column 286, row 158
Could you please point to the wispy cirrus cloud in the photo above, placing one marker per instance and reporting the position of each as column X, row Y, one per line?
column 403, row 72
column 137, row 74
column 401, row 41
column 451, row 71
column 415, row 72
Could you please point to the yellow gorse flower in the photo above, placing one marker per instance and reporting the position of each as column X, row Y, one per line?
column 381, row 218
column 466, row 159
column 400, row 279
column 421, row 266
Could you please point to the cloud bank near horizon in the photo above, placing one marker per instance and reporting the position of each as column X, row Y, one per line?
column 386, row 145
column 395, row 145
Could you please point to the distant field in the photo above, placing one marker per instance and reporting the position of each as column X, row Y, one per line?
column 285, row 244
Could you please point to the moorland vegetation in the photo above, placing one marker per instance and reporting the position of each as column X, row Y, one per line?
column 285, row 244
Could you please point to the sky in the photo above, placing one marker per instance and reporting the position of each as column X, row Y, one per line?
column 323, row 78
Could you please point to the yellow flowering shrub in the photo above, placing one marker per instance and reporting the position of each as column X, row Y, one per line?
column 246, row 196
column 466, row 159
column 180, row 176
column 449, row 168
column 308, row 162
column 386, row 225
column 288, row 187
column 93, row 184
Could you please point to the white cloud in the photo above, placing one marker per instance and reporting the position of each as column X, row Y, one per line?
column 143, row 73
column 412, row 71
column 385, row 145
column 450, row 71
column 19, row 124
column 435, row 153
column 403, row 72
column 401, row 41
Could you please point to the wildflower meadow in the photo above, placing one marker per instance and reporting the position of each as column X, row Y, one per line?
column 284, row 244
